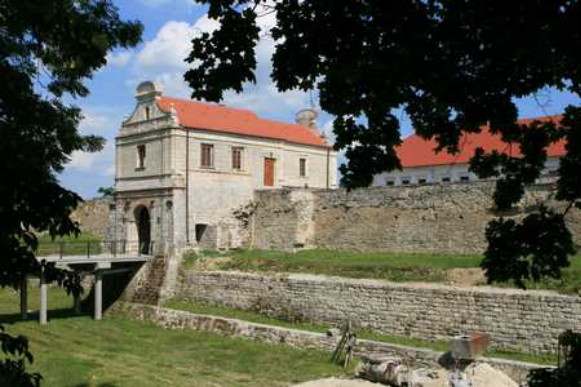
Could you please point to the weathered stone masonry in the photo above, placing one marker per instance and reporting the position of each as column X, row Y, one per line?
column 527, row 321
column 447, row 218
column 177, row 319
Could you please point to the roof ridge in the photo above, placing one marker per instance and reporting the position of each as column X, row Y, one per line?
column 211, row 104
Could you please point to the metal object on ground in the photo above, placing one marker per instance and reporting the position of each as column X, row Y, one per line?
column 469, row 346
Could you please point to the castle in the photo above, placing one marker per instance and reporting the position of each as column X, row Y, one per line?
column 184, row 167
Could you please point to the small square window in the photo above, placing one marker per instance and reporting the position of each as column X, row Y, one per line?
column 389, row 183
column 237, row 158
column 464, row 178
column 405, row 182
column 207, row 156
column 302, row 167
column 141, row 154
column 421, row 181
column 446, row 179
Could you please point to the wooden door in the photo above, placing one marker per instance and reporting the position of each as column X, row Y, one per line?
column 269, row 171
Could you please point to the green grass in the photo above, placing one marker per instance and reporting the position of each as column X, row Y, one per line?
column 397, row 267
column 570, row 282
column 77, row 351
column 389, row 266
column 259, row 318
column 245, row 315
column 70, row 245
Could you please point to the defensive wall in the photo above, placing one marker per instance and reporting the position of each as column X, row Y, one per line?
column 417, row 357
column 527, row 321
column 439, row 218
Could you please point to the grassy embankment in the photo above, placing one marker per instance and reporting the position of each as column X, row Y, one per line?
column 77, row 351
column 389, row 266
column 363, row 334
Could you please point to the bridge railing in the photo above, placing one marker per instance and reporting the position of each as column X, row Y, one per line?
column 94, row 248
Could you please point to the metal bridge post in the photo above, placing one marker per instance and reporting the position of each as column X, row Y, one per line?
column 98, row 295
column 43, row 298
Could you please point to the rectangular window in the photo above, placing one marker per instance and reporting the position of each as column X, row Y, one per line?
column 302, row 167
column 446, row 179
column 422, row 181
column 141, row 156
column 207, row 160
column 464, row 178
column 237, row 158
column 389, row 183
column 405, row 181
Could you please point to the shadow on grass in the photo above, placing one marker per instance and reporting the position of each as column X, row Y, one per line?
column 12, row 318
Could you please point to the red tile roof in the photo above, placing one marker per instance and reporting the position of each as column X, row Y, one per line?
column 417, row 152
column 218, row 118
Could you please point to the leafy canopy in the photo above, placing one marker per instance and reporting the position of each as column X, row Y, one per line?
column 453, row 66
column 48, row 49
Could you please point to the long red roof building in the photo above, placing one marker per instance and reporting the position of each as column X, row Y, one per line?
column 417, row 152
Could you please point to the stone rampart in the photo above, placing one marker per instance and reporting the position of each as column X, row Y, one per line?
column 93, row 216
column 440, row 218
column 417, row 357
column 528, row 321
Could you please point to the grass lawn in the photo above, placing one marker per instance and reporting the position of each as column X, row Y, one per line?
column 397, row 267
column 77, row 351
column 363, row 334
column 70, row 245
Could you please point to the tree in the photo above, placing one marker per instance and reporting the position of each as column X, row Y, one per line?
column 47, row 50
column 452, row 66
column 106, row 191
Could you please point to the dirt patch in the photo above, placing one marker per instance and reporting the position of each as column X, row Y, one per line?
column 334, row 382
column 211, row 263
column 465, row 278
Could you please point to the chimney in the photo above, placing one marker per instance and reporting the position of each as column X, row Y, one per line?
column 307, row 117
column 147, row 91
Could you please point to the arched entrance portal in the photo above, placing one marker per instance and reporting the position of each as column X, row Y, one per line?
column 143, row 222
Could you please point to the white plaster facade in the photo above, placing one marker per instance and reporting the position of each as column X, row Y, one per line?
column 443, row 174
column 432, row 174
column 159, row 169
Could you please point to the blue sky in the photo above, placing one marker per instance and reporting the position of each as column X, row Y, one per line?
column 169, row 27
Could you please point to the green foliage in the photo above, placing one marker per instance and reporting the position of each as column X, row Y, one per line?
column 517, row 252
column 568, row 373
column 106, row 191
column 47, row 51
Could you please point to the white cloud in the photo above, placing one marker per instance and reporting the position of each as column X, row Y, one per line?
column 162, row 60
column 159, row 3
column 82, row 161
column 168, row 49
column 101, row 123
column 119, row 59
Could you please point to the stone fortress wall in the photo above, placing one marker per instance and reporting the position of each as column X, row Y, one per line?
column 93, row 216
column 439, row 218
column 518, row 320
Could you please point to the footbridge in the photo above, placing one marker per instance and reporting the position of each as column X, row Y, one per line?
column 90, row 258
